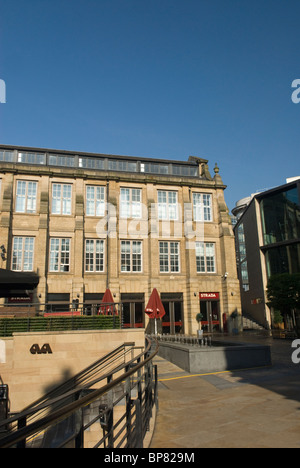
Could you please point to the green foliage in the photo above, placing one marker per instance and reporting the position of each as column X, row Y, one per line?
column 283, row 292
column 199, row 317
column 8, row 326
column 277, row 317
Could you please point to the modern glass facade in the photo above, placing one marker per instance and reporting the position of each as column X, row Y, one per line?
column 284, row 259
column 280, row 214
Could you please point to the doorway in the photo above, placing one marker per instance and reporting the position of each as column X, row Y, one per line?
column 210, row 309
column 133, row 310
column 172, row 322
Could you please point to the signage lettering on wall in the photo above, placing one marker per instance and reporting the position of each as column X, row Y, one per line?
column 210, row 295
column 45, row 349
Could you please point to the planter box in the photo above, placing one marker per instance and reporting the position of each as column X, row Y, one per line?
column 219, row 357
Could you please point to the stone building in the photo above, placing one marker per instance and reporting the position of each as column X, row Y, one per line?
column 88, row 222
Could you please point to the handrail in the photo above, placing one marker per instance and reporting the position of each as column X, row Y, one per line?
column 81, row 374
column 66, row 411
column 45, row 401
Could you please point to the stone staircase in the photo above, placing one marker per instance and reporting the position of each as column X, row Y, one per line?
column 249, row 323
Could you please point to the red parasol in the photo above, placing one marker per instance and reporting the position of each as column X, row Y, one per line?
column 108, row 304
column 155, row 308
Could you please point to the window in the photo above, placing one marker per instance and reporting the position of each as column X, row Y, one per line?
column 202, row 207
column 26, row 197
column 154, row 168
column 205, row 257
column 32, row 158
column 131, row 203
column 7, row 156
column 94, row 255
column 167, row 205
column 124, row 166
column 131, row 256
column 169, row 257
column 95, row 201
column 91, row 163
column 22, row 255
column 281, row 216
column 185, row 171
column 61, row 199
column 60, row 255
column 243, row 258
column 58, row 160
column 283, row 259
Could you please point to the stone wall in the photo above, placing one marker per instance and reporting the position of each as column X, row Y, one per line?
column 29, row 375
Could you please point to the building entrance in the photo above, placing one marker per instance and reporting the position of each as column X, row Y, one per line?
column 210, row 309
column 172, row 322
column 133, row 310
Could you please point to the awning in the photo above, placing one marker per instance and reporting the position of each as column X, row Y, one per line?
column 16, row 284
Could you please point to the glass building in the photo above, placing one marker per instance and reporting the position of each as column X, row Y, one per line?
column 280, row 213
column 267, row 243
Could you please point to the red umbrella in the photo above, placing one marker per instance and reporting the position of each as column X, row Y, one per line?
column 155, row 308
column 108, row 301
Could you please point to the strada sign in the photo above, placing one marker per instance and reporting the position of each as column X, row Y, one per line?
column 209, row 296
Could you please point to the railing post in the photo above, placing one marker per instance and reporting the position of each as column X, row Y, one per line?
column 110, row 417
column 138, row 424
column 79, row 439
column 128, row 409
column 21, row 424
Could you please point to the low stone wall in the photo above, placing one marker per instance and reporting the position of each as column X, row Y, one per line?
column 217, row 358
column 32, row 363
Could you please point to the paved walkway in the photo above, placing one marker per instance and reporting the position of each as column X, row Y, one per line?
column 258, row 408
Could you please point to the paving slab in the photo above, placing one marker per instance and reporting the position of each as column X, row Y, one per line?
column 256, row 408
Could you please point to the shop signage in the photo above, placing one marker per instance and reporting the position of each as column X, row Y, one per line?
column 24, row 299
column 209, row 296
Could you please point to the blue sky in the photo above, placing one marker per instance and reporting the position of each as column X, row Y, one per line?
column 157, row 78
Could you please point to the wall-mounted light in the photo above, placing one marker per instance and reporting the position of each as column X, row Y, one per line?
column 3, row 252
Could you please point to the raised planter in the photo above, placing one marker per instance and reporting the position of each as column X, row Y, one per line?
column 218, row 357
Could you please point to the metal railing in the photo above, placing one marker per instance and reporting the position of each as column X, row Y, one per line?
column 99, row 408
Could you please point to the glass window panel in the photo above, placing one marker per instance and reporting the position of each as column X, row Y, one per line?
column 130, row 203
column 167, row 205
column 7, row 156
column 22, row 255
column 205, row 257
column 281, row 216
column 21, row 197
column 169, row 257
column 26, row 195
column 202, row 207
column 197, row 206
column 95, row 201
column 59, row 255
column 94, row 255
column 61, row 199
